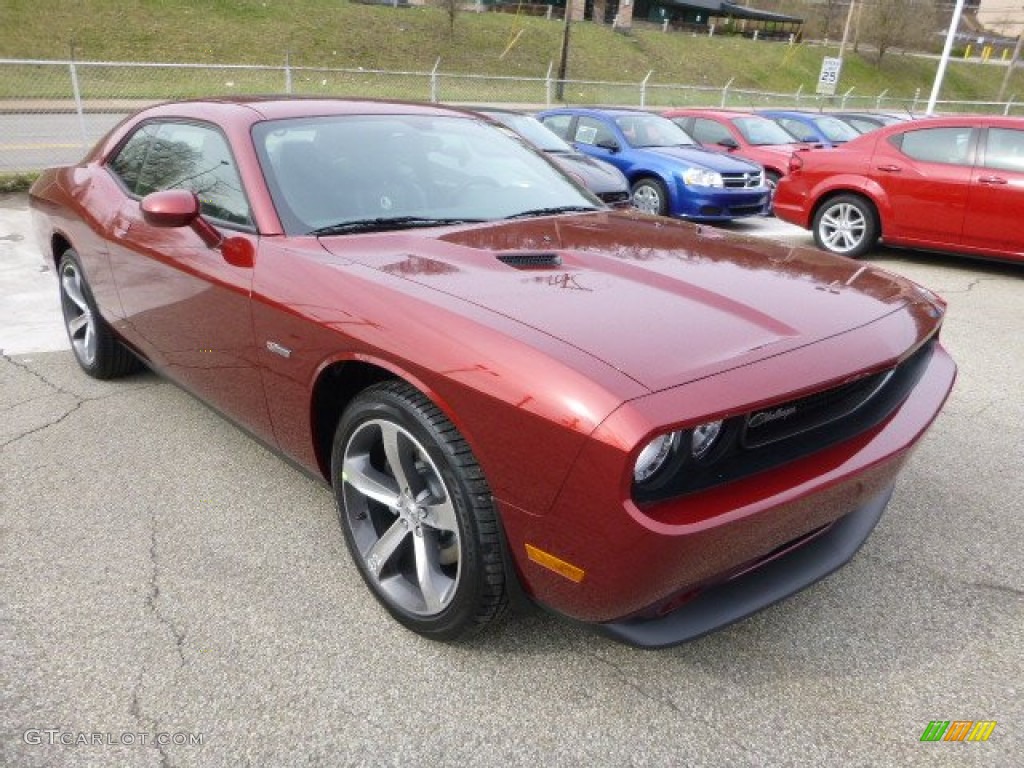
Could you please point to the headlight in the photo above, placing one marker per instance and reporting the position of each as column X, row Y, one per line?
column 703, row 439
column 698, row 177
column 654, row 456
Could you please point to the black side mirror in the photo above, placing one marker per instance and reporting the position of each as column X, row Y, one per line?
column 610, row 144
column 729, row 143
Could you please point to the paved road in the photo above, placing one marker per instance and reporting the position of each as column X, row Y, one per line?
column 29, row 142
column 161, row 573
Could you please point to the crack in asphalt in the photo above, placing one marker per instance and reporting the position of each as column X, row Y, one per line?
column 970, row 286
column 625, row 678
column 154, row 595
column 56, row 389
column 47, row 425
column 152, row 603
column 147, row 724
column 899, row 567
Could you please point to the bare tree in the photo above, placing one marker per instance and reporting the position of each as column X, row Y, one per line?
column 888, row 24
column 451, row 7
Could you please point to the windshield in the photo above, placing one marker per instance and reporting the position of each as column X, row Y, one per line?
column 653, row 131
column 835, row 129
column 761, row 132
column 531, row 129
column 358, row 173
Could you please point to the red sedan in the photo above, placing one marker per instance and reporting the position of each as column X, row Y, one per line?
column 513, row 390
column 947, row 184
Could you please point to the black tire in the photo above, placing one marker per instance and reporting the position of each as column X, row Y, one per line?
column 98, row 351
column 846, row 225
column 771, row 179
column 425, row 536
column 649, row 195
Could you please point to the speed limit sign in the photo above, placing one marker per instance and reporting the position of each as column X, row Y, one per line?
column 829, row 77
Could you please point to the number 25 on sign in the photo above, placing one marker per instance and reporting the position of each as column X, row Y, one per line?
column 829, row 77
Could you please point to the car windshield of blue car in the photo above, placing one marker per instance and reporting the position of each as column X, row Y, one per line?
column 762, row 132
column 351, row 174
column 643, row 131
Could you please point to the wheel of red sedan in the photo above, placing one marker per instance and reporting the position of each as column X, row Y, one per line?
column 847, row 225
column 649, row 196
column 96, row 349
column 417, row 513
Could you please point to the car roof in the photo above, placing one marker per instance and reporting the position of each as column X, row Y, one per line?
column 726, row 114
column 256, row 108
column 601, row 111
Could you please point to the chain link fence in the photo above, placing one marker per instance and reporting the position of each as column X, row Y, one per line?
column 51, row 112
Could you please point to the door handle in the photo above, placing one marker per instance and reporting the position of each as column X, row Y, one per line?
column 890, row 168
column 991, row 180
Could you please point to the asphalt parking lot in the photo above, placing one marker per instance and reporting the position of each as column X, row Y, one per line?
column 172, row 594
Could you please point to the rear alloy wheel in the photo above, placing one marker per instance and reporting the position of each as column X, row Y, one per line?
column 417, row 514
column 97, row 350
column 649, row 196
column 847, row 225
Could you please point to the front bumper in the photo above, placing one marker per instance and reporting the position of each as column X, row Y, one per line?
column 639, row 565
column 757, row 588
column 709, row 204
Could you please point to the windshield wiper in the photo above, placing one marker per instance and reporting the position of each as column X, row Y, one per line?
column 552, row 211
column 387, row 223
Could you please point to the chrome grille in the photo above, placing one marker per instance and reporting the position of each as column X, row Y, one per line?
column 742, row 180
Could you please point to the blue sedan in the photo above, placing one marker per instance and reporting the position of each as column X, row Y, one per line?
column 813, row 127
column 668, row 172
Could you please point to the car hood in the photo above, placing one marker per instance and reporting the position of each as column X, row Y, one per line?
column 663, row 302
column 781, row 150
column 597, row 176
column 704, row 158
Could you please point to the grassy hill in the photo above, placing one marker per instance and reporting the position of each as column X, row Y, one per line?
column 337, row 33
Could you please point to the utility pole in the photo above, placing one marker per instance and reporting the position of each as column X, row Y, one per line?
column 846, row 28
column 954, row 23
column 563, row 58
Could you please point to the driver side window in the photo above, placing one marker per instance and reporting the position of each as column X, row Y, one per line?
column 163, row 156
column 591, row 131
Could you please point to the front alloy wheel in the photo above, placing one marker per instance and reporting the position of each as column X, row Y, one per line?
column 846, row 225
column 417, row 515
column 649, row 196
column 99, row 353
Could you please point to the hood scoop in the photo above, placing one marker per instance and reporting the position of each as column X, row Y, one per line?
column 531, row 260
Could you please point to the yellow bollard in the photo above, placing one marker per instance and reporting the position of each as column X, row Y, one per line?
column 967, row 52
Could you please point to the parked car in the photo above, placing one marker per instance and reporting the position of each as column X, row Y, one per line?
column 741, row 134
column 813, row 127
column 949, row 184
column 669, row 173
column 603, row 179
column 863, row 122
column 512, row 389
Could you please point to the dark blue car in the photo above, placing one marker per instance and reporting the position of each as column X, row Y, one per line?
column 668, row 172
column 813, row 127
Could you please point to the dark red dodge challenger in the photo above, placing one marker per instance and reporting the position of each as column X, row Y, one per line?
column 513, row 390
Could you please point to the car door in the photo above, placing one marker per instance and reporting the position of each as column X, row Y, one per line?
column 710, row 134
column 185, row 307
column 926, row 176
column 595, row 137
column 996, row 199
